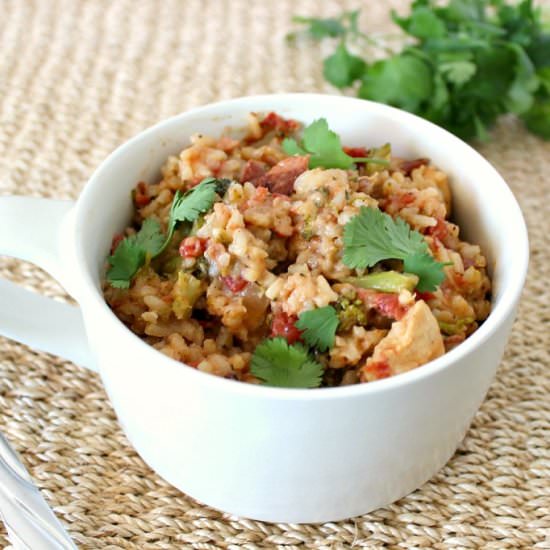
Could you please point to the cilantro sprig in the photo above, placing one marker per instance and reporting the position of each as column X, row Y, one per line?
column 372, row 236
column 458, row 63
column 277, row 363
column 186, row 207
column 319, row 327
column 134, row 251
column 324, row 148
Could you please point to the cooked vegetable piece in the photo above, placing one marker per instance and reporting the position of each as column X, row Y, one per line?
column 386, row 281
column 186, row 292
column 350, row 313
column 457, row 327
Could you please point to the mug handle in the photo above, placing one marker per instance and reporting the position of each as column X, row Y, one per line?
column 32, row 229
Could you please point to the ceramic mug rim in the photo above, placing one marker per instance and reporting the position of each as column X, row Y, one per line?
column 90, row 296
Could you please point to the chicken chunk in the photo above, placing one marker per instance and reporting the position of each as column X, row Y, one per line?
column 411, row 342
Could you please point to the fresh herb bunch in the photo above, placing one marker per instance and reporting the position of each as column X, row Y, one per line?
column 462, row 64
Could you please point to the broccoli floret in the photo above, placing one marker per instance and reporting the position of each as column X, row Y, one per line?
column 350, row 312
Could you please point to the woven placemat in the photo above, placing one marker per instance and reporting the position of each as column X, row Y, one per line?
column 79, row 77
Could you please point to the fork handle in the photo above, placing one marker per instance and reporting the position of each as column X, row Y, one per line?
column 30, row 522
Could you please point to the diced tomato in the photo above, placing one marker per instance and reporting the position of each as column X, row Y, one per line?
column 385, row 303
column 388, row 305
column 379, row 369
column 141, row 198
column 405, row 199
column 439, row 231
column 356, row 152
column 284, row 325
column 234, row 284
column 117, row 239
column 458, row 279
column 192, row 247
column 424, row 295
column 273, row 121
column 398, row 202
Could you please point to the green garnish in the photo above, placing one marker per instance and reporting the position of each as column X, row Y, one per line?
column 324, row 148
column 372, row 236
column 343, row 67
column 319, row 327
column 186, row 207
column 277, row 363
column 386, row 281
column 322, row 28
column 134, row 251
column 457, row 327
column 458, row 63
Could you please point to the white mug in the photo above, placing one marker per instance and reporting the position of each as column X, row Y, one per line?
column 282, row 455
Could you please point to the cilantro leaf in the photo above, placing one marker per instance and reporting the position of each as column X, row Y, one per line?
column 372, row 236
column 330, row 27
column 458, row 71
column 342, row 68
column 290, row 147
column 132, row 253
column 319, row 327
column 402, row 80
column 537, row 119
column 324, row 147
column 277, row 363
column 150, row 237
column 125, row 263
column 430, row 272
column 321, row 28
column 423, row 23
column 187, row 207
column 525, row 83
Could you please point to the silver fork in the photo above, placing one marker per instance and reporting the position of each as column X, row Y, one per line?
column 30, row 522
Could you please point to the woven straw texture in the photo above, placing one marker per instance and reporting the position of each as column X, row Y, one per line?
column 77, row 78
